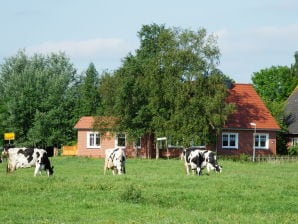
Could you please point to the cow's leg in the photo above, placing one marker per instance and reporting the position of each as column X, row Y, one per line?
column 37, row 169
column 10, row 167
column 199, row 171
column 209, row 168
column 105, row 167
column 187, row 168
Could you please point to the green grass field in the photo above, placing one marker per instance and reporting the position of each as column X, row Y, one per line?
column 151, row 192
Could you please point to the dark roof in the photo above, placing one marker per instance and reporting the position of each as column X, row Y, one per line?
column 249, row 108
column 291, row 112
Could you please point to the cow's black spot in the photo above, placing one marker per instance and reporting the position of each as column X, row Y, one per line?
column 45, row 160
column 28, row 153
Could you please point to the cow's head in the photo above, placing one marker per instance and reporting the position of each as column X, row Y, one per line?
column 51, row 170
column 218, row 168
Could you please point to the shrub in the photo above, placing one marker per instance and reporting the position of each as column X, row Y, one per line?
column 293, row 150
column 131, row 194
column 244, row 157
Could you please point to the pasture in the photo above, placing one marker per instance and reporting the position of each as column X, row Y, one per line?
column 152, row 191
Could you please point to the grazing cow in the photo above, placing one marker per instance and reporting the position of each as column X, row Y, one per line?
column 115, row 160
column 196, row 159
column 29, row 157
column 185, row 155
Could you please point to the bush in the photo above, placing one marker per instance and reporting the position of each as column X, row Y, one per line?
column 244, row 157
column 132, row 194
column 293, row 150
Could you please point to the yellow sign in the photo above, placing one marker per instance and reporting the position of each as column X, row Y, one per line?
column 9, row 136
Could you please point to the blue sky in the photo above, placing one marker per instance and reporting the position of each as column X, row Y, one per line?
column 252, row 35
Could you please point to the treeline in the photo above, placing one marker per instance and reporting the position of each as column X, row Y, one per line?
column 170, row 86
column 43, row 96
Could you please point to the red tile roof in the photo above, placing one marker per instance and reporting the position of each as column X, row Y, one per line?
column 249, row 108
column 85, row 123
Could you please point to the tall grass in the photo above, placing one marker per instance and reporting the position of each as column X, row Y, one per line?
column 151, row 192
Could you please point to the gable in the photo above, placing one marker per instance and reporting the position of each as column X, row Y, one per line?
column 249, row 108
column 85, row 122
column 90, row 122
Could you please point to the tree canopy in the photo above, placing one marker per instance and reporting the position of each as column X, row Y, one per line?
column 36, row 98
column 275, row 85
column 171, row 86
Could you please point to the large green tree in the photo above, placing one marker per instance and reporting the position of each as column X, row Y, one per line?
column 36, row 92
column 171, row 86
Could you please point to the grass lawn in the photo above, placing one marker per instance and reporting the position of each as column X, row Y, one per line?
column 152, row 191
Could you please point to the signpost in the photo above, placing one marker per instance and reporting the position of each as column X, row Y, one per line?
column 9, row 136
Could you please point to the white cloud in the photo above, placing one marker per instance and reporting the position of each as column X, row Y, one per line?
column 247, row 51
column 259, row 39
column 105, row 53
column 110, row 47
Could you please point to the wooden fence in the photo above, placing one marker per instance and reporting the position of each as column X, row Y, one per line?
column 69, row 150
column 275, row 159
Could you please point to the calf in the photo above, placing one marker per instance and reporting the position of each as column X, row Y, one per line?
column 115, row 160
column 29, row 157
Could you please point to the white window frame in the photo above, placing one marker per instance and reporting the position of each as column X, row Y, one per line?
column 294, row 141
column 116, row 140
column 258, row 141
column 229, row 135
column 91, row 145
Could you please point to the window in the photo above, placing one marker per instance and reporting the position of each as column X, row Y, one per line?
column 120, row 140
column 93, row 140
column 138, row 142
column 261, row 141
column 294, row 141
column 230, row 140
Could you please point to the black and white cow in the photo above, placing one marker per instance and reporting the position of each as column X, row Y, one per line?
column 115, row 160
column 29, row 157
column 196, row 159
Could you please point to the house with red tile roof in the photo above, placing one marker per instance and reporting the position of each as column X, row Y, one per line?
column 250, row 125
column 91, row 143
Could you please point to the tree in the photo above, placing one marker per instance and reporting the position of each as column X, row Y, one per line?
column 36, row 92
column 275, row 85
column 108, row 86
column 171, row 86
column 89, row 97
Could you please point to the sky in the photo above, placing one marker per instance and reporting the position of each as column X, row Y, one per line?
column 251, row 35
